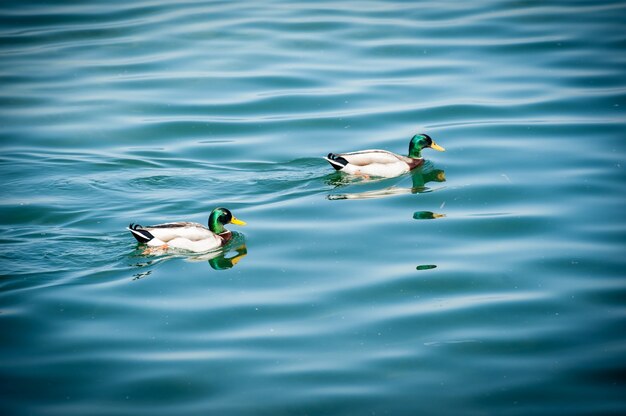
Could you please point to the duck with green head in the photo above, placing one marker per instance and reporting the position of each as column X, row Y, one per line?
column 382, row 163
column 188, row 235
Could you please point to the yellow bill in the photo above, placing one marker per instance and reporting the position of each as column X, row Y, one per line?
column 437, row 147
column 237, row 221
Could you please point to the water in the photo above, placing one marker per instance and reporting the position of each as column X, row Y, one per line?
column 491, row 282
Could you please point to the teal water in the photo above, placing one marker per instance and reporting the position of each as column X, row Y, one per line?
column 490, row 282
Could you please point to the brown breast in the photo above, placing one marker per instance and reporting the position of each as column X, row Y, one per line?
column 415, row 163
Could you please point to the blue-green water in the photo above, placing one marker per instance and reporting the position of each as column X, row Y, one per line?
column 491, row 282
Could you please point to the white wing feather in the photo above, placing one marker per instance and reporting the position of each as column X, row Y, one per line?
column 196, row 246
column 187, row 230
column 375, row 162
column 367, row 157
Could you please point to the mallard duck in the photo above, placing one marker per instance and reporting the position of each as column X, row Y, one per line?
column 382, row 163
column 188, row 235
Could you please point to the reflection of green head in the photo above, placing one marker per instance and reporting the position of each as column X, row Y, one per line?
column 435, row 175
column 426, row 215
column 422, row 141
column 222, row 262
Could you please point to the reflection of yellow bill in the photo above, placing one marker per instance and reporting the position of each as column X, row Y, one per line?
column 237, row 258
column 237, row 221
column 437, row 147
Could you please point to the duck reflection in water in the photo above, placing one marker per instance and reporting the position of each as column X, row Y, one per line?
column 419, row 178
column 224, row 258
column 222, row 261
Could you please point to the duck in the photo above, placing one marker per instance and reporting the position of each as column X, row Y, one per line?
column 189, row 236
column 382, row 163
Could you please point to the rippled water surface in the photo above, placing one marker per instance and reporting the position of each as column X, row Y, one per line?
column 491, row 281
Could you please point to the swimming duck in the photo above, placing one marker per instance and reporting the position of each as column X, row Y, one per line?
column 188, row 235
column 382, row 163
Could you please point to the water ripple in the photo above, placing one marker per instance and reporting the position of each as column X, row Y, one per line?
column 339, row 298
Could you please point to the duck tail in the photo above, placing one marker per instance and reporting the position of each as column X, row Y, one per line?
column 336, row 161
column 141, row 235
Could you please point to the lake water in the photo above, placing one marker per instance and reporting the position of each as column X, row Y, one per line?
column 492, row 281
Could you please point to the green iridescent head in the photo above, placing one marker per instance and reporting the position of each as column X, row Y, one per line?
column 422, row 141
column 220, row 217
